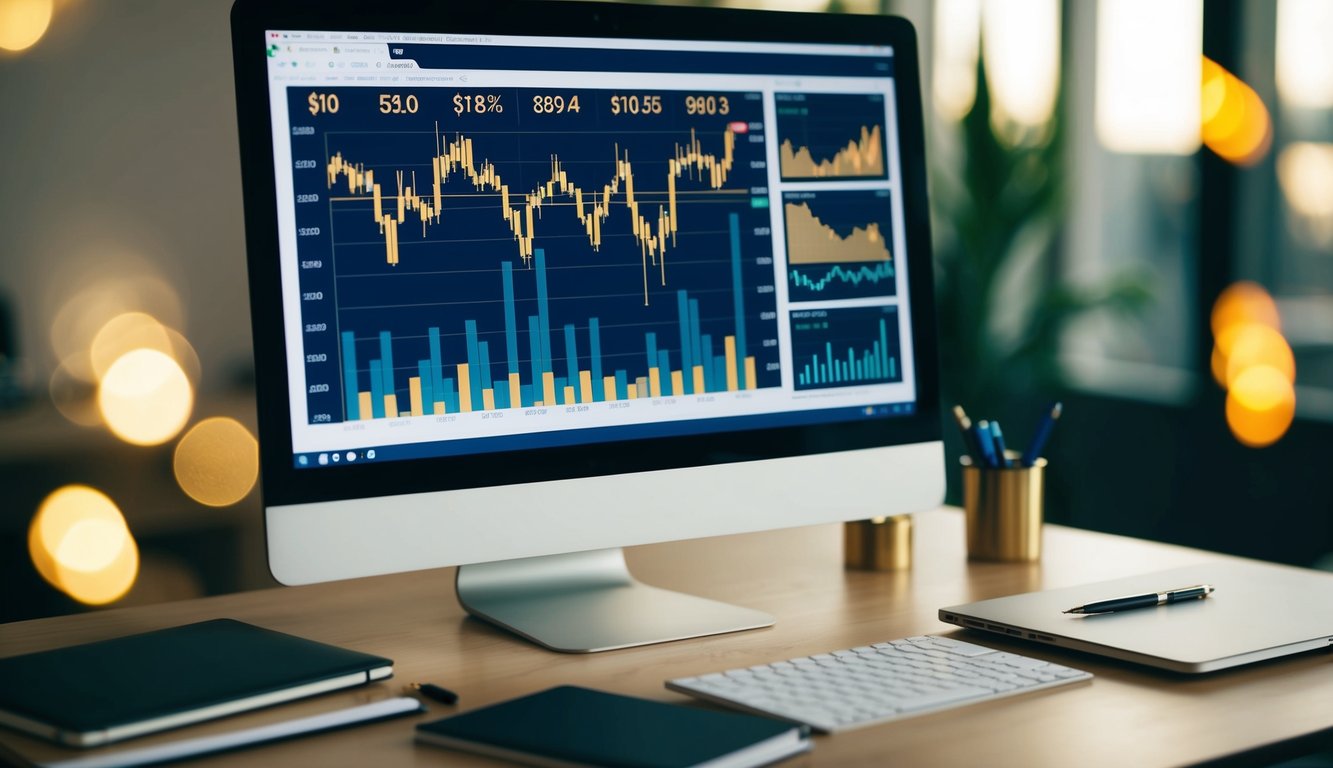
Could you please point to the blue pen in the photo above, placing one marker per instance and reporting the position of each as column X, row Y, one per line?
column 1034, row 450
column 1001, row 457
column 985, row 442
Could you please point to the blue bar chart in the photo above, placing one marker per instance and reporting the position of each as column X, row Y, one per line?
column 845, row 347
column 567, row 370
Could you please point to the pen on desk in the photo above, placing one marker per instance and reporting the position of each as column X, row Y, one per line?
column 433, row 692
column 1145, row 600
column 997, row 437
column 985, row 443
column 969, row 439
column 1038, row 443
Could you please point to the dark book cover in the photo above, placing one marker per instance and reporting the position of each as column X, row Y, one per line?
column 96, row 688
column 571, row 726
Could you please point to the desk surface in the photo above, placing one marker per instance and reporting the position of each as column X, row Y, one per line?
column 1126, row 716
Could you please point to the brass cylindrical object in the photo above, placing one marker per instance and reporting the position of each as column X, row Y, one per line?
column 1003, row 507
column 878, row 544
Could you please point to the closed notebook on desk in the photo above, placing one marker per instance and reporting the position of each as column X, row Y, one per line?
column 97, row 693
column 571, row 726
column 1258, row 611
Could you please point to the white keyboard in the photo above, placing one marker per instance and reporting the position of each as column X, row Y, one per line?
column 877, row 683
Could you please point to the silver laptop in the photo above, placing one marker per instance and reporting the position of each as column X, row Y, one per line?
column 1258, row 611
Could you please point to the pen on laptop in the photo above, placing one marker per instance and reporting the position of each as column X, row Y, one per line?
column 1044, row 427
column 1145, row 600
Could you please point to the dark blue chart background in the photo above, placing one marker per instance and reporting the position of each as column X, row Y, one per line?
column 843, row 212
column 453, row 273
column 824, row 123
column 821, row 336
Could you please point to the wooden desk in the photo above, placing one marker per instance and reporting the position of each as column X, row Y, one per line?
column 1126, row 716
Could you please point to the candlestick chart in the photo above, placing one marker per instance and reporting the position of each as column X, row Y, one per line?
column 467, row 250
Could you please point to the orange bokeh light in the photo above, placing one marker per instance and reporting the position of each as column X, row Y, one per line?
column 1260, row 406
column 1252, row 344
column 1243, row 302
column 1236, row 124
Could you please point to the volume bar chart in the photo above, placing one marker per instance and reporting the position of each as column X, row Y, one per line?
column 562, row 367
column 845, row 347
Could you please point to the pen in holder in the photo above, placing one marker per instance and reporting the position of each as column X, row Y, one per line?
column 1003, row 507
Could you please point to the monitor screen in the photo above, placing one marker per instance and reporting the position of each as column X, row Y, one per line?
column 505, row 243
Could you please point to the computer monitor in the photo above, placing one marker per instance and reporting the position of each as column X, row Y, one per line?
column 532, row 283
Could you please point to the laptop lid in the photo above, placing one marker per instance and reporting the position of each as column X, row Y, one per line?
column 1258, row 611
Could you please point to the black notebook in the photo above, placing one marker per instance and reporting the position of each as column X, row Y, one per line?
column 93, row 694
column 570, row 726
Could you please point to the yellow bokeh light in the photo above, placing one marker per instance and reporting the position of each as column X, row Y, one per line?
column 139, row 330
column 217, row 462
column 1251, row 345
column 1236, row 124
column 80, row 544
column 87, row 311
column 91, row 545
column 123, row 333
column 23, row 22
column 1260, row 406
column 145, row 397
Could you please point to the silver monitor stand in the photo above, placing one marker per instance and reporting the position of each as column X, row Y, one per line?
column 588, row 601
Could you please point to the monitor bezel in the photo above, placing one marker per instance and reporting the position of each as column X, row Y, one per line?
column 284, row 484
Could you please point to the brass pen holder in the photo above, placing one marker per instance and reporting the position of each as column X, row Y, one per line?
column 1003, row 507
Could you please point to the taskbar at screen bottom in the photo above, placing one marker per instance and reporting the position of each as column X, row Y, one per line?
column 443, row 448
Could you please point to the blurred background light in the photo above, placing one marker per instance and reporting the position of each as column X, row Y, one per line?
column 1243, row 302
column 1020, row 41
column 140, row 330
column 1253, row 345
column 1148, row 72
column 80, row 544
column 123, row 333
column 1305, row 175
column 23, row 22
column 1304, row 54
column 74, row 397
column 1260, row 406
column 957, row 43
column 87, row 311
column 145, row 397
column 217, row 462
column 1236, row 124
column 1241, row 306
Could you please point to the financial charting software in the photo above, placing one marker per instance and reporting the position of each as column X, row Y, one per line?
column 490, row 243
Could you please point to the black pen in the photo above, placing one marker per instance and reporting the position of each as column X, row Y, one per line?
column 1146, row 600
column 433, row 692
column 969, row 440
